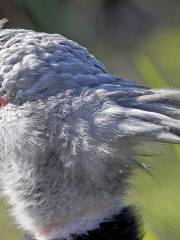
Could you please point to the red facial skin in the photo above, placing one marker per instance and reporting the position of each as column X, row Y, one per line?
column 3, row 102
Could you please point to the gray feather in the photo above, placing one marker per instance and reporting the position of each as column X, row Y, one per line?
column 67, row 134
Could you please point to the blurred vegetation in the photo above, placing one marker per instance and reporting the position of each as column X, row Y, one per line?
column 138, row 40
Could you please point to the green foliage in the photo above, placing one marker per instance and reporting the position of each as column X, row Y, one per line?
column 8, row 229
column 159, row 61
column 158, row 193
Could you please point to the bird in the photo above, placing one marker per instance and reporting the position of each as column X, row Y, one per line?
column 68, row 129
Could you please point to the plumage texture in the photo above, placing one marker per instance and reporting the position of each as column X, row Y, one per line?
column 67, row 134
column 123, row 226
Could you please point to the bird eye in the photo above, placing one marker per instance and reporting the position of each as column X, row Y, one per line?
column 3, row 102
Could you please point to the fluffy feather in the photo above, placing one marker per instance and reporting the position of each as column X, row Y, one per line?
column 67, row 134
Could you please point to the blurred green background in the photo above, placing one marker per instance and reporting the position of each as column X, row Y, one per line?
column 136, row 39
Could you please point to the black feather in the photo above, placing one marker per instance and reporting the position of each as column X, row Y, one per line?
column 124, row 226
